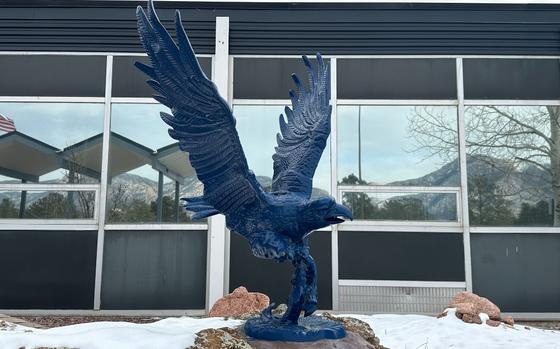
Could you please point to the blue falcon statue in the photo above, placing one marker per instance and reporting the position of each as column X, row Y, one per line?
column 277, row 223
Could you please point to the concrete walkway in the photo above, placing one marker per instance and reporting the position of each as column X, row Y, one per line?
column 18, row 321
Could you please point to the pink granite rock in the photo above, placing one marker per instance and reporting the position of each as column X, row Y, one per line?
column 470, row 303
column 493, row 323
column 239, row 303
column 469, row 306
column 508, row 320
column 471, row 319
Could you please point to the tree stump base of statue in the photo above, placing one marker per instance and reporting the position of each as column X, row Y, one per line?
column 308, row 329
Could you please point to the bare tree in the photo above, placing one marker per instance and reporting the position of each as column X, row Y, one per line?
column 75, row 174
column 118, row 200
column 525, row 138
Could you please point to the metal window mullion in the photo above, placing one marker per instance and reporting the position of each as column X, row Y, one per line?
column 464, row 212
column 227, row 242
column 396, row 189
column 512, row 102
column 398, row 102
column 353, row 56
column 48, row 224
column 334, row 179
column 514, row 230
column 350, row 56
column 402, row 283
column 373, row 223
column 40, row 223
column 261, row 102
column 46, row 99
column 133, row 100
column 155, row 226
column 402, row 226
column 103, row 184
column 80, row 53
column 48, row 187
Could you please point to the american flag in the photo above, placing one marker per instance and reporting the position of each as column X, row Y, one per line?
column 7, row 124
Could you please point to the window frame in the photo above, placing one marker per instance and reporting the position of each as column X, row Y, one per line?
column 101, row 226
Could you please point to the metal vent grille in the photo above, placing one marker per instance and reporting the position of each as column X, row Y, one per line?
column 395, row 299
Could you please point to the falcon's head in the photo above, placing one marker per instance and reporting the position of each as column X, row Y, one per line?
column 324, row 211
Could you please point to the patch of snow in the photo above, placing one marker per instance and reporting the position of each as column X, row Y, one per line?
column 168, row 333
column 395, row 332
column 426, row 332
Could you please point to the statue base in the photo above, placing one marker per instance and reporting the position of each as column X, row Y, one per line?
column 308, row 329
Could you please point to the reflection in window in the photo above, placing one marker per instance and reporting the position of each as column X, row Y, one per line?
column 50, row 142
column 148, row 173
column 398, row 145
column 257, row 127
column 47, row 204
column 513, row 165
column 402, row 206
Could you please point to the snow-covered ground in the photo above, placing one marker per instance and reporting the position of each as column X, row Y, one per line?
column 395, row 332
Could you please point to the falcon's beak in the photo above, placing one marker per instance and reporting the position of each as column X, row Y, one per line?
column 339, row 214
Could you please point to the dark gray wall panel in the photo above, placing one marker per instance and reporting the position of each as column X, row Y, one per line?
column 401, row 256
column 512, row 78
column 154, row 270
column 290, row 28
column 272, row 278
column 47, row 269
column 518, row 272
column 128, row 81
column 267, row 78
column 396, row 79
column 68, row 76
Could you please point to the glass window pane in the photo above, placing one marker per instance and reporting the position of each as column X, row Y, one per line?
column 38, row 204
column 513, row 163
column 128, row 81
column 50, row 142
column 141, row 152
column 402, row 206
column 67, row 76
column 398, row 145
column 511, row 78
column 396, row 79
column 257, row 127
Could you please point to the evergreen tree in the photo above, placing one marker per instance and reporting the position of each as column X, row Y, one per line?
column 487, row 205
column 139, row 211
column 535, row 215
column 359, row 203
column 168, row 210
column 54, row 205
column 8, row 209
column 404, row 208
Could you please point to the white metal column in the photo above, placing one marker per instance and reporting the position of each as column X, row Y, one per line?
column 216, row 258
column 334, row 186
column 103, row 184
column 463, row 171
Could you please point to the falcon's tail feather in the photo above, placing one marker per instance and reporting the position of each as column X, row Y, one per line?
column 200, row 207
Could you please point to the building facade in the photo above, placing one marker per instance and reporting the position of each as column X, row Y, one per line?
column 445, row 144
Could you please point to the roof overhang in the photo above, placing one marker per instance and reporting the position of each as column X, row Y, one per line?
column 40, row 158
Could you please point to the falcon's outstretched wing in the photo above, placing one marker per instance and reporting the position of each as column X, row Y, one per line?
column 303, row 137
column 202, row 121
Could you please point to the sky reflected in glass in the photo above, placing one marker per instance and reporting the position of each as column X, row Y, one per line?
column 141, row 123
column 58, row 125
column 257, row 127
column 390, row 147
